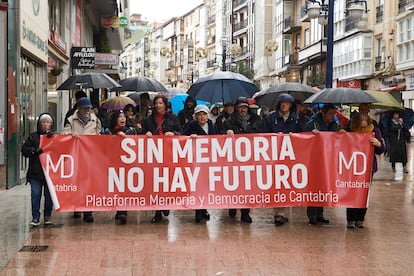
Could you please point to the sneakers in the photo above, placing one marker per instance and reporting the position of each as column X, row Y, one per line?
column 48, row 221
column 35, row 223
column 350, row 225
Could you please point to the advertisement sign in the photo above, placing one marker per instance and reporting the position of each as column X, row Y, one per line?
column 34, row 28
column 82, row 57
column 110, row 172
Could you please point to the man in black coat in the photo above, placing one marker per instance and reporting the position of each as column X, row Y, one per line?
column 242, row 121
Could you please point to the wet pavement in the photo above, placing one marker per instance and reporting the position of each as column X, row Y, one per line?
column 222, row 246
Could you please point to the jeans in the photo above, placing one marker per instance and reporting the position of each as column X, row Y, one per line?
column 36, row 187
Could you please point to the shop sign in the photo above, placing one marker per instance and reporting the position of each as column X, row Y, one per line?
column 410, row 82
column 106, row 59
column 57, row 40
column 114, row 22
column 82, row 57
column 349, row 84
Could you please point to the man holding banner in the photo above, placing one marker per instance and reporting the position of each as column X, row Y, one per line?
column 83, row 122
column 283, row 120
column 242, row 121
column 322, row 121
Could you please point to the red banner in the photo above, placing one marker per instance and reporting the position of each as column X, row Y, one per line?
column 110, row 172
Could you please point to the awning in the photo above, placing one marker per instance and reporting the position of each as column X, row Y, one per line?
column 393, row 88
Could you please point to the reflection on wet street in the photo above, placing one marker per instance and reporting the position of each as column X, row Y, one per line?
column 221, row 246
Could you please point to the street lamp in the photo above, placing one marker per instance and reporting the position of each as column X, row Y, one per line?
column 324, row 11
column 223, row 42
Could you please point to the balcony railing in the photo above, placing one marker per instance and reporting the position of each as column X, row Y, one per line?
column 210, row 63
column 379, row 13
column 239, row 2
column 377, row 63
column 211, row 19
column 403, row 5
column 240, row 25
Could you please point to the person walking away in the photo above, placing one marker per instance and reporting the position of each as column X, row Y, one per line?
column 118, row 126
column 201, row 125
column 242, row 121
column 363, row 123
column 161, row 122
column 35, row 175
column 83, row 122
column 399, row 136
column 228, row 109
column 322, row 121
column 186, row 114
column 282, row 120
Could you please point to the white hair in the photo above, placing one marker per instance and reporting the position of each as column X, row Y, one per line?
column 45, row 117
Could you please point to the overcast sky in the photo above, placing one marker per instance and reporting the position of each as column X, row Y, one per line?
column 161, row 10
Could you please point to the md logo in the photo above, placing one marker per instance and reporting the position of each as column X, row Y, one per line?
column 358, row 162
column 65, row 165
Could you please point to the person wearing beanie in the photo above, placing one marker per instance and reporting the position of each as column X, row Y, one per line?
column 35, row 175
column 242, row 121
column 83, row 122
column 322, row 121
column 79, row 94
column 282, row 120
column 201, row 125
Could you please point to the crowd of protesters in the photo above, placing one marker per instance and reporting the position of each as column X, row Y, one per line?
column 156, row 118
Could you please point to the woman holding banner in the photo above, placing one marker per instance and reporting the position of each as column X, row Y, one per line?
column 363, row 123
column 161, row 122
column 118, row 126
column 35, row 175
column 201, row 125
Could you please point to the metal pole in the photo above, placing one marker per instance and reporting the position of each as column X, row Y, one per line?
column 223, row 58
column 329, row 46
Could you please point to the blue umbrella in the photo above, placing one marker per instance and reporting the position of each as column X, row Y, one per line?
column 222, row 87
column 177, row 102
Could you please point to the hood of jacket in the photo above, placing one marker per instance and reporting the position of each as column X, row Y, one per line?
column 39, row 128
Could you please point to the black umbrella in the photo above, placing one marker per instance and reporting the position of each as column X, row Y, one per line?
column 341, row 95
column 141, row 84
column 222, row 87
column 88, row 80
column 298, row 91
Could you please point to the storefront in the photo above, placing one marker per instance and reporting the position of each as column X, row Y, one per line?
column 32, row 71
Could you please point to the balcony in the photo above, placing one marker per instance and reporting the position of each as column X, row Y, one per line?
column 238, row 4
column 304, row 17
column 316, row 51
column 211, row 20
column 378, row 62
column 404, row 5
column 290, row 25
column 350, row 24
column 211, row 40
column 379, row 14
column 240, row 25
column 211, row 63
